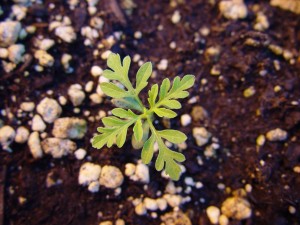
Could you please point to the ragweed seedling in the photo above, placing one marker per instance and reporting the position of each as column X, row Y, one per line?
column 132, row 112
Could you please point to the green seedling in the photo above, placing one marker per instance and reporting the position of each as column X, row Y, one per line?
column 131, row 112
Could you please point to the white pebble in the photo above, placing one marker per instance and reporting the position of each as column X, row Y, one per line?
column 176, row 17
column 163, row 64
column 88, row 173
column 95, row 98
column 213, row 214
column 15, row 53
column 94, row 186
column 49, row 109
column 35, row 145
column 129, row 169
column 96, row 71
column 58, row 147
column 66, row 33
column 38, row 124
column 162, row 204
column 150, row 204
column 7, row 135
column 140, row 209
column 185, row 119
column 22, row 135
column 27, row 106
column 76, row 94
column 62, row 100
column 89, row 86
column 46, row 44
column 201, row 135
column 3, row 53
column 277, row 135
column 233, row 9
column 141, row 174
column 111, row 177
column 80, row 153
column 9, row 32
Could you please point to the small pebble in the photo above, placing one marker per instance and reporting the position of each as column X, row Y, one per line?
column 213, row 214
column 185, row 120
column 96, row 71
column 163, row 64
column 80, row 153
column 277, row 135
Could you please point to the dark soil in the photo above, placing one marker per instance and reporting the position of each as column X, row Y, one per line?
column 233, row 119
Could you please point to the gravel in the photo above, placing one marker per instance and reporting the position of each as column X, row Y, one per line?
column 58, row 147
column 38, row 123
column 111, row 177
column 88, row 173
column 34, row 144
column 7, row 135
column 76, row 94
column 22, row 135
column 236, row 208
column 9, row 32
column 69, row 127
column 49, row 109
column 201, row 135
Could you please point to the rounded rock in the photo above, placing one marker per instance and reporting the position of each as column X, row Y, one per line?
column 111, row 177
column 88, row 173
column 49, row 109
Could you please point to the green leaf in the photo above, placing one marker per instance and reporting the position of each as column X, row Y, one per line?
column 173, row 136
column 163, row 112
column 127, row 103
column 138, row 130
column 153, row 94
column 119, row 71
column 172, row 104
column 182, row 94
column 112, row 121
column 148, row 149
column 139, row 144
column 142, row 76
column 173, row 170
column 111, row 135
column 122, row 113
column 121, row 138
column 113, row 90
column 164, row 88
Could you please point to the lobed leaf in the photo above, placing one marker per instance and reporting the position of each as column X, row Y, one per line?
column 163, row 112
column 142, row 76
column 122, row 113
column 113, row 90
column 139, row 144
column 164, row 88
column 112, row 121
column 138, row 130
column 121, row 138
column 173, row 136
column 172, row 104
column 153, row 94
column 127, row 103
column 119, row 70
column 148, row 149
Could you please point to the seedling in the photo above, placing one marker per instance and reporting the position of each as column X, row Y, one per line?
column 132, row 112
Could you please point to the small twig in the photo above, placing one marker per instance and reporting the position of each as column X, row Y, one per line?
column 2, row 185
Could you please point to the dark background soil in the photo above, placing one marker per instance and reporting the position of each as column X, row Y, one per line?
column 232, row 118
